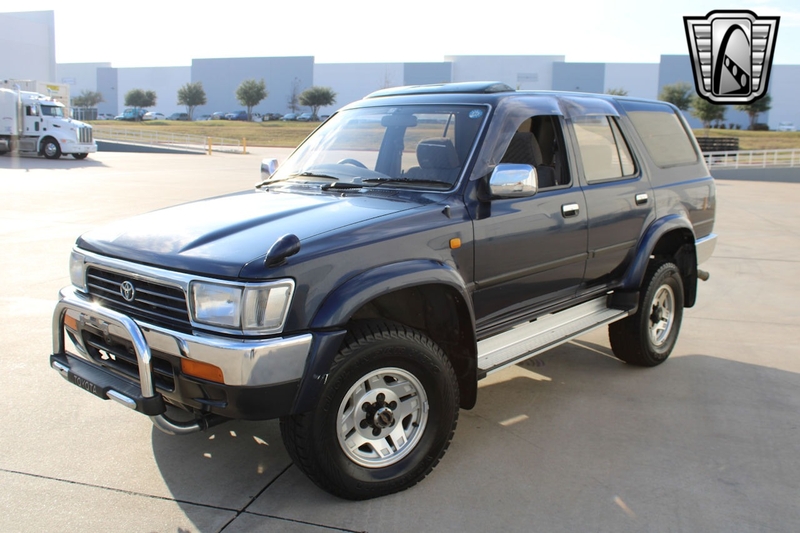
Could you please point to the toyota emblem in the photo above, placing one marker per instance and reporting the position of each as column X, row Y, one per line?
column 128, row 291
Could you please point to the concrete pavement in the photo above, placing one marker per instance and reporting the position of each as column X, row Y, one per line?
column 570, row 441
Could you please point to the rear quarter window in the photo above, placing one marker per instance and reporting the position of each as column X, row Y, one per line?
column 663, row 134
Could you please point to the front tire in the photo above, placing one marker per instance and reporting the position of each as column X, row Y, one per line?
column 51, row 149
column 384, row 419
column 647, row 337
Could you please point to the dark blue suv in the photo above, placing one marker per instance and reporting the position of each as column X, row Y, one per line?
column 419, row 240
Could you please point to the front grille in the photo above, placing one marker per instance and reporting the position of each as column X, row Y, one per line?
column 154, row 303
column 119, row 356
column 85, row 134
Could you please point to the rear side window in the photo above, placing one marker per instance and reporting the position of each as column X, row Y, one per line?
column 604, row 152
column 663, row 134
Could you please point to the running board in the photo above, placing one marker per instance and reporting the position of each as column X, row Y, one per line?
column 533, row 338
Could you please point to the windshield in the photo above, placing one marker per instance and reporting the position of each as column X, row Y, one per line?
column 405, row 146
column 52, row 110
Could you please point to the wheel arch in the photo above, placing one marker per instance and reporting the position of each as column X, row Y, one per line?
column 670, row 238
column 425, row 295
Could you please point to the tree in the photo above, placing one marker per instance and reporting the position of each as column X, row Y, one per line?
column 707, row 112
column 678, row 94
column 250, row 93
column 292, row 101
column 192, row 95
column 762, row 105
column 316, row 97
column 87, row 99
column 617, row 91
column 139, row 98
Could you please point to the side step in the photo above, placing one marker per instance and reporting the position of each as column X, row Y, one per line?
column 533, row 338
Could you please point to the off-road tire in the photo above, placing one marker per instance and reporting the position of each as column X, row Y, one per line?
column 647, row 337
column 343, row 445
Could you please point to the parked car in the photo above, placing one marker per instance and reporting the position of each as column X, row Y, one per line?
column 154, row 115
column 271, row 116
column 420, row 240
column 217, row 115
column 786, row 126
column 306, row 117
column 105, row 116
column 131, row 114
column 289, row 116
column 203, row 117
column 236, row 115
column 178, row 116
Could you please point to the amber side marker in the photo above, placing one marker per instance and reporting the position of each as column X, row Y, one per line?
column 202, row 370
column 455, row 243
column 70, row 322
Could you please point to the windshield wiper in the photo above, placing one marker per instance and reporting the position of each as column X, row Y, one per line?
column 298, row 175
column 343, row 185
column 381, row 181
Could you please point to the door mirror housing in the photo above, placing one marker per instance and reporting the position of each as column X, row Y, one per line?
column 268, row 167
column 511, row 180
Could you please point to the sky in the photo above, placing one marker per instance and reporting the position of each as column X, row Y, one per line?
column 149, row 33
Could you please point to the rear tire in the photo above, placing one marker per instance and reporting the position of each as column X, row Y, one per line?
column 647, row 337
column 384, row 419
column 80, row 156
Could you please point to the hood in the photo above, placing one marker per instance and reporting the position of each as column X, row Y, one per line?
column 77, row 123
column 218, row 236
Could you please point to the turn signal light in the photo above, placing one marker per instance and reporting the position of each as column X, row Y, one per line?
column 202, row 370
column 70, row 322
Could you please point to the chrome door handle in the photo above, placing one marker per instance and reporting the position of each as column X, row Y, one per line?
column 570, row 210
column 641, row 198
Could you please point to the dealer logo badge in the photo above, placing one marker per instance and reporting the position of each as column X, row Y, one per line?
column 731, row 55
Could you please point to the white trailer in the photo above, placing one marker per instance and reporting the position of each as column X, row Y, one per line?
column 34, row 124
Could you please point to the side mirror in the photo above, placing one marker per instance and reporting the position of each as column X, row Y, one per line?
column 268, row 167
column 510, row 180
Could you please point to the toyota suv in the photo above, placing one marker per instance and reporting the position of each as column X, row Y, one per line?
column 418, row 241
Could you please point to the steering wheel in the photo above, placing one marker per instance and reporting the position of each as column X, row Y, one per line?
column 354, row 162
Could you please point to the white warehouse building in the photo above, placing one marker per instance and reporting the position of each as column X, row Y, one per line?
column 350, row 81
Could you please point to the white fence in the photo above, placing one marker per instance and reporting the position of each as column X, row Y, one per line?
column 198, row 143
column 753, row 159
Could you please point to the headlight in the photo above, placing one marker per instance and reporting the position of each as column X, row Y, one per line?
column 217, row 305
column 251, row 308
column 77, row 270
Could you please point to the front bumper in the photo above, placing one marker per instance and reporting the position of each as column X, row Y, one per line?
column 139, row 366
column 73, row 147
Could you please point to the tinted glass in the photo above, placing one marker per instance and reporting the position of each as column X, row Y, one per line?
column 604, row 152
column 663, row 134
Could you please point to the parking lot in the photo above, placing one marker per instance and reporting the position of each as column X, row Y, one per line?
column 571, row 441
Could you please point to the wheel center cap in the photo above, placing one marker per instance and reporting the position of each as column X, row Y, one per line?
column 383, row 418
column 658, row 314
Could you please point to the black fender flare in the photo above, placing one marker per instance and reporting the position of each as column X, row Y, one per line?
column 635, row 274
column 330, row 322
column 345, row 300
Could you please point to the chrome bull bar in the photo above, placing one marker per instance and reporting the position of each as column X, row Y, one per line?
column 101, row 315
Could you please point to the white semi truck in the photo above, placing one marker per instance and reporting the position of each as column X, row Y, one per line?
column 34, row 124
